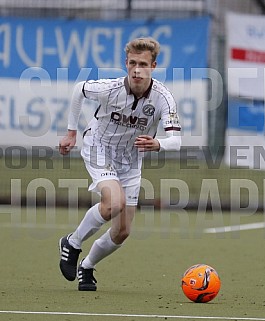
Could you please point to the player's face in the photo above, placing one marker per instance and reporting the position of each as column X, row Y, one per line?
column 140, row 67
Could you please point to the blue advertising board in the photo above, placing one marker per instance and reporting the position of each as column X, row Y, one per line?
column 246, row 115
column 75, row 49
column 245, row 134
column 59, row 52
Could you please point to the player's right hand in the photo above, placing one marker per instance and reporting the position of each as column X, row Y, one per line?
column 67, row 142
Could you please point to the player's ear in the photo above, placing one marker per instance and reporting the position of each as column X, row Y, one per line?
column 154, row 64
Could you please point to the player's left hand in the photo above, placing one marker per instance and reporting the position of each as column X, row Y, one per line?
column 146, row 143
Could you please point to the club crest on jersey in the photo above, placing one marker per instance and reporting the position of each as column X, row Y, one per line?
column 149, row 110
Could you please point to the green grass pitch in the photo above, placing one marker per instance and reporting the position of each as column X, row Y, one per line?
column 142, row 278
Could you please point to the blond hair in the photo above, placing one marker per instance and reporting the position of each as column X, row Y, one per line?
column 143, row 44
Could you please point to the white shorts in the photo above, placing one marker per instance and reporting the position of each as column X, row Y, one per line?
column 101, row 166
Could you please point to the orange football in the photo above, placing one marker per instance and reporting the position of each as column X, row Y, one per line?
column 201, row 283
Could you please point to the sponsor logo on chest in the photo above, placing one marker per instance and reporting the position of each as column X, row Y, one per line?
column 134, row 120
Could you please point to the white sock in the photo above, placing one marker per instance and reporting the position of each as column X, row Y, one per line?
column 101, row 248
column 90, row 224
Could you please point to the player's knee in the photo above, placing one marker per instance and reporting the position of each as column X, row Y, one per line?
column 113, row 209
column 117, row 207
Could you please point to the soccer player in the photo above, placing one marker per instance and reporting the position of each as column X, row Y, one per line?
column 123, row 128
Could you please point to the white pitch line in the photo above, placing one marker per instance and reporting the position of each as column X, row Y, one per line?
column 233, row 228
column 187, row 317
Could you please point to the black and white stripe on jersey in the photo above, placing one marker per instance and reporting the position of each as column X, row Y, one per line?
column 172, row 128
column 96, row 112
column 107, row 104
column 106, row 82
column 167, row 128
column 164, row 96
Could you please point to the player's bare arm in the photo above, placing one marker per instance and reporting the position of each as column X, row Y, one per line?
column 67, row 142
column 146, row 143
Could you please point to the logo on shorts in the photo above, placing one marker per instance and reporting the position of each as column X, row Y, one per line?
column 149, row 110
column 132, row 197
column 109, row 171
column 109, row 168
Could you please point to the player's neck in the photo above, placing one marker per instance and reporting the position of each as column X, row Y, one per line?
column 141, row 92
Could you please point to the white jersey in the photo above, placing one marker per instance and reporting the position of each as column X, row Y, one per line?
column 121, row 117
